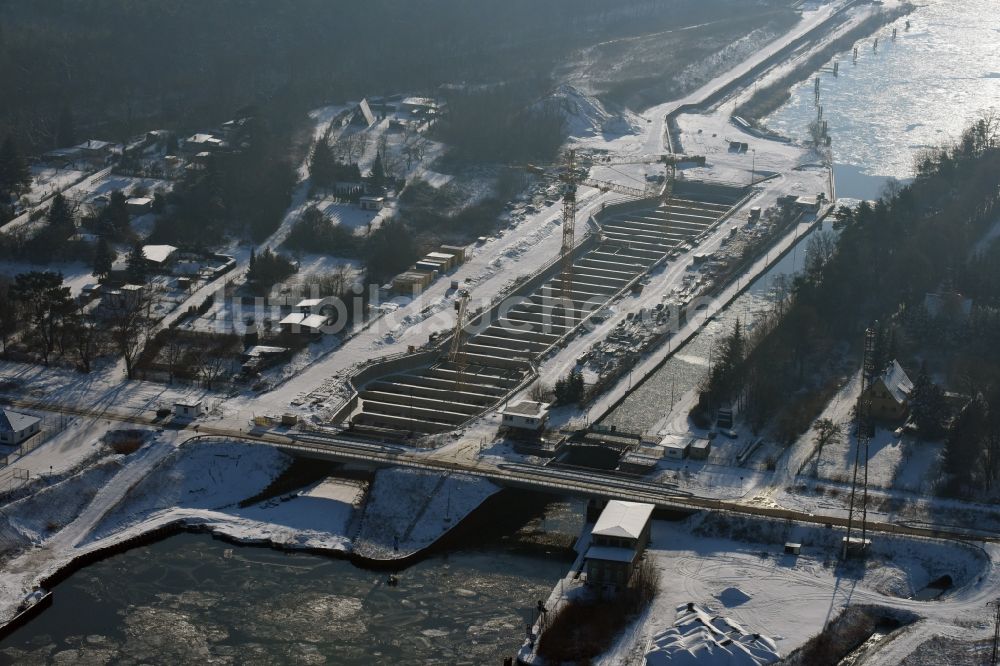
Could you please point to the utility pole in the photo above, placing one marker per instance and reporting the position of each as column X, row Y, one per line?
column 995, row 657
column 862, row 412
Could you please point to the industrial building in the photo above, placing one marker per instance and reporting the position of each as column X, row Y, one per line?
column 617, row 541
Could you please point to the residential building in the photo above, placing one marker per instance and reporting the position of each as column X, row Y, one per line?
column 300, row 322
column 16, row 427
column 890, row 393
column 201, row 142
column 94, row 150
column 159, row 257
column 139, row 205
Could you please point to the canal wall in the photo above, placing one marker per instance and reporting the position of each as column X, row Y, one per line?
column 656, row 358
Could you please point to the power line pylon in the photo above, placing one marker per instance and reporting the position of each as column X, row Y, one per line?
column 995, row 655
column 863, row 425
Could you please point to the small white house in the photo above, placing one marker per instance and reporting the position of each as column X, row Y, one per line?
column 16, row 427
column 139, row 205
column 300, row 322
column 310, row 305
column 189, row 410
column 372, row 203
column 525, row 415
column 676, row 447
column 159, row 256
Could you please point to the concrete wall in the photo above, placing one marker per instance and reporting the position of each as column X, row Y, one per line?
column 391, row 366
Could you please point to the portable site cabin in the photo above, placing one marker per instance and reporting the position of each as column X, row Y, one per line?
column 526, row 415
column 189, row 409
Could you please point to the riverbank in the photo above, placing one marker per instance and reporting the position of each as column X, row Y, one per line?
column 171, row 486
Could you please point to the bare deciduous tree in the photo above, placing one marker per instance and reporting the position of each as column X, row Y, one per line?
column 130, row 327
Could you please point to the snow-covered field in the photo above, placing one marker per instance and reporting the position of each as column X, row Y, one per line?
column 47, row 181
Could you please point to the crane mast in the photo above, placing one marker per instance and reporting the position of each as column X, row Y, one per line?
column 456, row 352
column 569, row 179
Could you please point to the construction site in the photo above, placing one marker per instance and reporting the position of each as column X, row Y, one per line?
column 494, row 353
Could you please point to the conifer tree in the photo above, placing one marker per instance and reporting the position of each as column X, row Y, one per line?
column 104, row 259
column 60, row 216
column 15, row 176
column 136, row 265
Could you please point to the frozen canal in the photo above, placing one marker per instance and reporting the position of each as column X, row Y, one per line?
column 917, row 92
column 911, row 94
column 194, row 599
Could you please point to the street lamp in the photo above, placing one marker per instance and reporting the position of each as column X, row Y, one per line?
column 753, row 168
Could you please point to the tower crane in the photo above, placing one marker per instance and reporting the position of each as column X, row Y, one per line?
column 456, row 353
column 574, row 172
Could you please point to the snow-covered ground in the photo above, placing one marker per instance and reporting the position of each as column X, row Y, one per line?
column 47, row 181
column 738, row 569
column 97, row 499
column 408, row 510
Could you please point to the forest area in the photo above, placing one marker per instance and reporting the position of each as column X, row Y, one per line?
column 117, row 67
column 923, row 238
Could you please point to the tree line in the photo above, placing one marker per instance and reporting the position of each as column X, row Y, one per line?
column 889, row 254
column 108, row 57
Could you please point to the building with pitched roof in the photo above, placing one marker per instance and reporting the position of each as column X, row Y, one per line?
column 890, row 393
column 16, row 427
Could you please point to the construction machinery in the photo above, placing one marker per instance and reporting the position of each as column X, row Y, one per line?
column 573, row 172
column 456, row 353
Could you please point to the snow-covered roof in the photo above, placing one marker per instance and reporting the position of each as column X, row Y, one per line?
column 11, row 421
column 623, row 519
column 314, row 321
column 366, row 111
column 94, row 144
column 419, row 101
column 139, row 201
column 158, row 253
column 611, row 554
column 673, row 441
column 309, row 303
column 897, row 382
column 527, row 408
column 264, row 350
